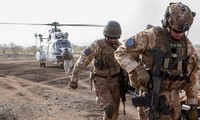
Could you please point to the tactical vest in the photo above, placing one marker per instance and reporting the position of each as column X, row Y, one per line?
column 174, row 61
column 67, row 55
column 105, row 64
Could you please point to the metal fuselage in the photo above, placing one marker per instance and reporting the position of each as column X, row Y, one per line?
column 51, row 51
column 54, row 48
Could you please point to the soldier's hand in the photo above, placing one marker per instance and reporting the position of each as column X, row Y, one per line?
column 192, row 113
column 73, row 84
column 142, row 76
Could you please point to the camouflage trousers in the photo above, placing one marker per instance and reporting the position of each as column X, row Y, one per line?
column 173, row 100
column 108, row 94
column 68, row 66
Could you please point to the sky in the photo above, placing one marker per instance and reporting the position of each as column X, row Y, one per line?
column 133, row 16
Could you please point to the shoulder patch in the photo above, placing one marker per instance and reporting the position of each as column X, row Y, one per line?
column 130, row 42
column 87, row 51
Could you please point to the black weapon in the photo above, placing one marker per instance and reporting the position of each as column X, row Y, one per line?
column 138, row 100
column 157, row 81
column 145, row 101
column 123, row 82
column 91, row 78
column 153, row 100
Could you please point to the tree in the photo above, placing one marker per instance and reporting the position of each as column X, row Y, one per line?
column 4, row 49
column 32, row 49
column 15, row 49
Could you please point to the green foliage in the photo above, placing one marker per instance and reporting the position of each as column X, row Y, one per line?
column 79, row 49
column 15, row 49
column 12, row 48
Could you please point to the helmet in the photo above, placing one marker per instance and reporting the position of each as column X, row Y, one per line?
column 178, row 17
column 112, row 29
column 149, row 26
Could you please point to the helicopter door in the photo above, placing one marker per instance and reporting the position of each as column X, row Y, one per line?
column 50, row 52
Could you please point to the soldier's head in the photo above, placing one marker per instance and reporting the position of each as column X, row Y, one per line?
column 112, row 32
column 149, row 26
column 178, row 17
column 66, row 50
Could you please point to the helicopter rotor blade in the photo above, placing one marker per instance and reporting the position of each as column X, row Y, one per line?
column 23, row 24
column 55, row 24
column 84, row 25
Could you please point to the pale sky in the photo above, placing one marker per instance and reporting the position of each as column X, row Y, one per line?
column 133, row 15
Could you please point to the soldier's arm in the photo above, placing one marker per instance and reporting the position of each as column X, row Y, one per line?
column 84, row 60
column 127, row 54
column 192, row 89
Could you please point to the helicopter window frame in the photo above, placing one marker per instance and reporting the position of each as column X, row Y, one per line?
column 57, row 45
column 66, row 44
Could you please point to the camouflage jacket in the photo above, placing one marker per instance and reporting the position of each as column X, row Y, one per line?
column 67, row 55
column 128, row 56
column 104, row 62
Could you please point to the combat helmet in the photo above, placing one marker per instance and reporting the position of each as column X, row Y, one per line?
column 178, row 17
column 112, row 29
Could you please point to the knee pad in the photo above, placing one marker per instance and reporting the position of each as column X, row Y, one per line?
column 109, row 111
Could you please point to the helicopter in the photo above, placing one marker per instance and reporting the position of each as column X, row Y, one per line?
column 51, row 47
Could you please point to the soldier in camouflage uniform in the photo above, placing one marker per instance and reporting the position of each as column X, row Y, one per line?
column 180, row 60
column 106, row 70
column 68, row 59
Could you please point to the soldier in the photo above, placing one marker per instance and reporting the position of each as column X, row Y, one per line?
column 105, row 70
column 179, row 69
column 68, row 59
column 67, row 55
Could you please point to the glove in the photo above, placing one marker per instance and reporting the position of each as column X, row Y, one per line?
column 142, row 76
column 192, row 113
column 73, row 84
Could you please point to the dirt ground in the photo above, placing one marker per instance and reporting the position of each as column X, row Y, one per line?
column 30, row 92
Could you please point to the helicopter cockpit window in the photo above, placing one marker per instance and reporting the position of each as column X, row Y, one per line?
column 52, row 30
column 66, row 44
column 57, row 45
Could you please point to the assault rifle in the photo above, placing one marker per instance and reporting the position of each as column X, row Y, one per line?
column 123, row 82
column 157, row 82
column 145, row 101
column 153, row 99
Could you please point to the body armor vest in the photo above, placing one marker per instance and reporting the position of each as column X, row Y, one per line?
column 174, row 61
column 67, row 55
column 105, row 62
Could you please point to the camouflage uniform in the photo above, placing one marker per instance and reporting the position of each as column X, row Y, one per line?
column 105, row 70
column 68, row 58
column 128, row 56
